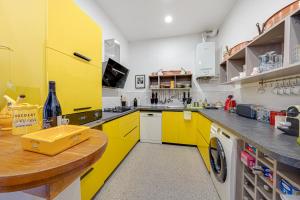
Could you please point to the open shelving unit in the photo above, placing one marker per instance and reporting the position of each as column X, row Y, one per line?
column 181, row 82
column 283, row 38
column 253, row 184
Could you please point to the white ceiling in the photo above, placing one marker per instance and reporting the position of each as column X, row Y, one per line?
column 144, row 19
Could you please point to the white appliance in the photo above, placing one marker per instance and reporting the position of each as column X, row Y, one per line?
column 223, row 153
column 206, row 59
column 150, row 124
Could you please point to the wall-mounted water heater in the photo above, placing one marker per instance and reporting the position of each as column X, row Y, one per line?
column 205, row 60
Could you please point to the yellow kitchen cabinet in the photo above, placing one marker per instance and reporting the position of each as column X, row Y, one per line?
column 188, row 130
column 78, row 83
column 23, row 31
column 71, row 31
column 203, row 138
column 95, row 177
column 177, row 130
column 170, row 127
column 203, row 125
column 203, row 148
column 25, row 28
column 5, row 56
column 123, row 134
column 130, row 139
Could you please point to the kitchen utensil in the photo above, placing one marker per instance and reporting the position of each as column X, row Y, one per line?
column 261, row 89
column 273, row 114
column 26, row 118
column 287, row 89
column 263, row 114
column 275, row 89
column 291, row 125
column 279, row 120
column 246, row 110
column 295, row 88
column 229, row 52
column 55, row 140
column 278, row 16
column 156, row 99
column 296, row 54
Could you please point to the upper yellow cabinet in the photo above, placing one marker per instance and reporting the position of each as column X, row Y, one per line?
column 22, row 33
column 27, row 28
column 78, row 85
column 72, row 32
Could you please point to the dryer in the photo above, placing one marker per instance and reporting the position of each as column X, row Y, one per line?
column 223, row 153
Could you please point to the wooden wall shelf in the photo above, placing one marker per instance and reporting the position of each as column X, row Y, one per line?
column 280, row 72
column 180, row 81
column 284, row 38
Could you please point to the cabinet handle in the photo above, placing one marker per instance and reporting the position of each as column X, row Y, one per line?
column 150, row 115
column 130, row 131
column 86, row 173
column 84, row 108
column 82, row 56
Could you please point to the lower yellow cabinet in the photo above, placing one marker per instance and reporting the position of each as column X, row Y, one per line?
column 175, row 129
column 203, row 138
column 203, row 148
column 123, row 133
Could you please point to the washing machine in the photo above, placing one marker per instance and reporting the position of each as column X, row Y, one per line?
column 223, row 154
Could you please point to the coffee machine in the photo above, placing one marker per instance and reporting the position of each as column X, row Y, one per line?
column 291, row 125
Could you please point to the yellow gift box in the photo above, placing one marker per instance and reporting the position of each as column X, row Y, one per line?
column 55, row 140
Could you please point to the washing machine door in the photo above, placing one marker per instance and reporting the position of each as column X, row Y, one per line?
column 218, row 159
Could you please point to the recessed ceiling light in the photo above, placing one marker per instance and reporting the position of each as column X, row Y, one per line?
column 168, row 19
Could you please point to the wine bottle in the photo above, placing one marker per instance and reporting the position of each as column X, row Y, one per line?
column 52, row 110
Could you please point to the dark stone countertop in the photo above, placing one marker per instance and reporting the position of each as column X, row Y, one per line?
column 267, row 139
column 271, row 141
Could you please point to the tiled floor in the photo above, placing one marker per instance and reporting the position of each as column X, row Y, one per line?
column 160, row 172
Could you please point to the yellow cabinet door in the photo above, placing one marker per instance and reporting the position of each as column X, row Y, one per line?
column 71, row 31
column 204, row 125
column 78, row 84
column 177, row 130
column 130, row 139
column 23, row 32
column 203, row 148
column 171, row 126
column 5, row 67
column 101, row 170
column 188, row 130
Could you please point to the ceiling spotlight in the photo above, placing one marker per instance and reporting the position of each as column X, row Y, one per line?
column 168, row 19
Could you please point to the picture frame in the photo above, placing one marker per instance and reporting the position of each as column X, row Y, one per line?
column 140, row 81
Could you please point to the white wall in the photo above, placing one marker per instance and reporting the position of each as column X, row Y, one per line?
column 109, row 30
column 240, row 26
column 168, row 54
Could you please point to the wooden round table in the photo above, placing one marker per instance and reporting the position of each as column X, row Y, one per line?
column 40, row 174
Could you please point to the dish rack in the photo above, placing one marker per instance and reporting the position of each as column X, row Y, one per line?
column 259, row 187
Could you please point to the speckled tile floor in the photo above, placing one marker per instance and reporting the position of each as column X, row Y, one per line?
column 160, row 172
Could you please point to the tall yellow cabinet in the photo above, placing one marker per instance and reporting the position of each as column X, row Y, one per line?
column 44, row 40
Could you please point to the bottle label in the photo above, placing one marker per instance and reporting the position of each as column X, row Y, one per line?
column 52, row 122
